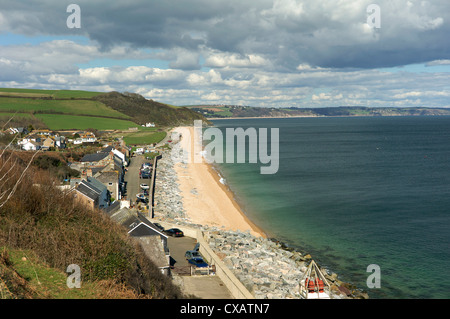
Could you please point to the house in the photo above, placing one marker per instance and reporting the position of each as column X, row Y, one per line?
column 92, row 193
column 111, row 180
column 119, row 152
column 151, row 239
column 32, row 138
column 122, row 156
column 85, row 137
column 17, row 130
column 104, row 196
column 42, row 132
column 87, row 195
column 60, row 142
column 96, row 159
column 31, row 146
column 48, row 143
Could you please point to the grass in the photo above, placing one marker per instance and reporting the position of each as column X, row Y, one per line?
column 144, row 137
column 41, row 280
column 80, row 107
column 67, row 122
column 61, row 94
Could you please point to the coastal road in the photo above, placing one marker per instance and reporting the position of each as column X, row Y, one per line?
column 132, row 178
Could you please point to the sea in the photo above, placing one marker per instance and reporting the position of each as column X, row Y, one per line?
column 367, row 197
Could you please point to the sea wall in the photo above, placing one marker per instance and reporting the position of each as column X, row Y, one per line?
column 265, row 267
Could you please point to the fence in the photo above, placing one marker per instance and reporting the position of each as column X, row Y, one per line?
column 194, row 271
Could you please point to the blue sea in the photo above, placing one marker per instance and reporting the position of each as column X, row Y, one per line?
column 357, row 191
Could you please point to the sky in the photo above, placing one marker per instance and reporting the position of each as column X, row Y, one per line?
column 267, row 53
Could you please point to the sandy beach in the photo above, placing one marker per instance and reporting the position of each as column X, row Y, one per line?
column 206, row 200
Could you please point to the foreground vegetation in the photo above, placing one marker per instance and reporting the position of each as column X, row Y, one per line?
column 51, row 230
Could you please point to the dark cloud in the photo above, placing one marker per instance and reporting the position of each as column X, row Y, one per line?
column 287, row 32
column 265, row 52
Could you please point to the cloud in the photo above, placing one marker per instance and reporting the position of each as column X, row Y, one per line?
column 438, row 62
column 267, row 52
column 285, row 32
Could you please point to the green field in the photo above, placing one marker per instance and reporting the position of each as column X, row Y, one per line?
column 144, row 137
column 59, row 94
column 67, row 122
column 81, row 107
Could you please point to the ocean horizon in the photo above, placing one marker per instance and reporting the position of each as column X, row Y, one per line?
column 357, row 191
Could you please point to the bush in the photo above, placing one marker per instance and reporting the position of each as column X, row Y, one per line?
column 60, row 231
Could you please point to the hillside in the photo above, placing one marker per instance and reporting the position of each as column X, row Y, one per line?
column 66, row 109
column 43, row 230
column 228, row 111
column 142, row 110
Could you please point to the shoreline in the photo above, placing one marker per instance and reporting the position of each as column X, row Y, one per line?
column 205, row 199
column 193, row 195
column 226, row 189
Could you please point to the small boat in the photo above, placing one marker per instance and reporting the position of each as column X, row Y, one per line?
column 140, row 196
column 314, row 284
column 144, row 186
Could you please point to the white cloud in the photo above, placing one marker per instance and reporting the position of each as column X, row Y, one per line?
column 325, row 96
column 234, row 60
column 438, row 62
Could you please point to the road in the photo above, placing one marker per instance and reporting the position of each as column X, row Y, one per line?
column 132, row 178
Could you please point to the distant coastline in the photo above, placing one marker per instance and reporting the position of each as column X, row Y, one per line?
column 215, row 112
column 312, row 116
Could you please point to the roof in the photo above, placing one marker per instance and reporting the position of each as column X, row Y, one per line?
column 96, row 169
column 94, row 157
column 109, row 176
column 126, row 217
column 137, row 224
column 114, row 207
column 96, row 183
column 107, row 149
column 88, row 190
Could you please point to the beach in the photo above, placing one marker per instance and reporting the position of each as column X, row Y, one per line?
column 206, row 200
column 189, row 194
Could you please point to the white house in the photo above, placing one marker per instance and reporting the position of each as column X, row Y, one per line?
column 121, row 155
column 31, row 146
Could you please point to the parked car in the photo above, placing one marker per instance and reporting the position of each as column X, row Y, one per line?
column 198, row 262
column 159, row 226
column 175, row 232
column 192, row 254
